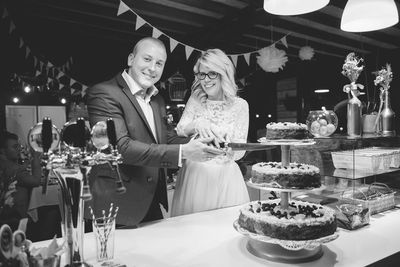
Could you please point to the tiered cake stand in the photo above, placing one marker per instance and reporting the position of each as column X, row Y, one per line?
column 288, row 251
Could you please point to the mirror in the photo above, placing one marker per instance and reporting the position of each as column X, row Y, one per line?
column 71, row 136
column 35, row 138
column 99, row 135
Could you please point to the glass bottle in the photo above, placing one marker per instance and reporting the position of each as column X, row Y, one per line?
column 387, row 117
column 354, row 116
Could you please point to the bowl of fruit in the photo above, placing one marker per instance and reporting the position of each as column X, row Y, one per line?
column 322, row 123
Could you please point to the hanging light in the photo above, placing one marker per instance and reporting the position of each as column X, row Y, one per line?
column 369, row 15
column 293, row 7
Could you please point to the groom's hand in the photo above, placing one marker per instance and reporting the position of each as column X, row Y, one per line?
column 198, row 150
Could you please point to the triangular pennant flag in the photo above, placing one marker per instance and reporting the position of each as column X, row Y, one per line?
column 48, row 80
column 12, row 27
column 172, row 43
column 72, row 91
column 37, row 73
column 27, row 52
column 49, row 64
column 83, row 92
column 156, row 33
column 71, row 82
column 122, row 8
column 139, row 22
column 247, row 58
column 234, row 59
column 188, row 51
column 284, row 42
column 21, row 42
column 59, row 75
column 243, row 81
column 5, row 13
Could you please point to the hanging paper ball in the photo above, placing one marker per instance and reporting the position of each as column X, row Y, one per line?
column 306, row 53
column 271, row 59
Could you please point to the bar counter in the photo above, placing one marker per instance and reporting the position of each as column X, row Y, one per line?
column 209, row 239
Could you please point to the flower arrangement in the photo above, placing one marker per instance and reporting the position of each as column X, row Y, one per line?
column 351, row 69
column 384, row 77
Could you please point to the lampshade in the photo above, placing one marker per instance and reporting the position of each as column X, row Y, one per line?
column 293, row 7
column 369, row 15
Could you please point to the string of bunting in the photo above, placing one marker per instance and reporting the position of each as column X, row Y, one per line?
column 189, row 49
column 45, row 67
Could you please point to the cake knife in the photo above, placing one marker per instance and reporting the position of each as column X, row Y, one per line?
column 247, row 146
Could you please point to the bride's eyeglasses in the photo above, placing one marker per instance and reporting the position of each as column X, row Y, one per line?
column 212, row 75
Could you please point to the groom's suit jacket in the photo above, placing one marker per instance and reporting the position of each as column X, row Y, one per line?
column 144, row 155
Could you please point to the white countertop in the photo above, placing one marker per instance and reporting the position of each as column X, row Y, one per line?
column 209, row 239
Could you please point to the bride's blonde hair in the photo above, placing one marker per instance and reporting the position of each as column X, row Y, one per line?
column 217, row 61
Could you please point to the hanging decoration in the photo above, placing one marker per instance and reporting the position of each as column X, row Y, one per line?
column 187, row 48
column 44, row 67
column 272, row 59
column 306, row 53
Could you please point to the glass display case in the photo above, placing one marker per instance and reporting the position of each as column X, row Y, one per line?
column 360, row 176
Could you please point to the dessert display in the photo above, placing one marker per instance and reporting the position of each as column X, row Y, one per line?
column 295, row 175
column 300, row 221
column 286, row 130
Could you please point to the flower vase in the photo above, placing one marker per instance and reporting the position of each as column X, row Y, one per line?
column 354, row 116
column 387, row 116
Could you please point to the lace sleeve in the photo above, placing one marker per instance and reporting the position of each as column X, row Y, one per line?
column 241, row 126
column 189, row 115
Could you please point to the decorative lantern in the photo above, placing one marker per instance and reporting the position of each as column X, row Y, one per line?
column 177, row 87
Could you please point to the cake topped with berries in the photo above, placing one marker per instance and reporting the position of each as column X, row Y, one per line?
column 293, row 176
column 300, row 221
column 286, row 130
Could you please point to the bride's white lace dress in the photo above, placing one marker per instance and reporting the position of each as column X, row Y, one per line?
column 219, row 182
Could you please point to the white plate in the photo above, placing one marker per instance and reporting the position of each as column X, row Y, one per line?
column 289, row 142
column 287, row 244
column 271, row 187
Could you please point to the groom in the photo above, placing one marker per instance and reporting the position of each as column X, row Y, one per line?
column 146, row 145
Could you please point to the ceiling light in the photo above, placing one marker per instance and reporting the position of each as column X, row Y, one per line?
column 15, row 99
column 293, row 7
column 27, row 89
column 369, row 15
column 321, row 91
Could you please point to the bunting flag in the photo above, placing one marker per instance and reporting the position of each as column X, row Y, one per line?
column 247, row 58
column 37, row 73
column 172, row 43
column 139, row 22
column 188, row 51
column 234, row 59
column 156, row 33
column 5, row 13
column 27, row 52
column 21, row 42
column 49, row 64
column 12, row 27
column 122, row 8
column 284, row 42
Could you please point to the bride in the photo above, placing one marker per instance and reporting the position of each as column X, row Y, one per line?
column 213, row 110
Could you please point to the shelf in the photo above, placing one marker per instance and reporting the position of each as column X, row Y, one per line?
column 355, row 174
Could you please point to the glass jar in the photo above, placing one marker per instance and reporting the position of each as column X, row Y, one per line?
column 322, row 123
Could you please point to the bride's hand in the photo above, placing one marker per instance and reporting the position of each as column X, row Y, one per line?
column 205, row 129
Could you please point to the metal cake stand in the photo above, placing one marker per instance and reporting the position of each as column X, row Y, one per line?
column 286, row 251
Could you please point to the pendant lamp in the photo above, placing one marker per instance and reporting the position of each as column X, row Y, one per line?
column 293, row 7
column 369, row 15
